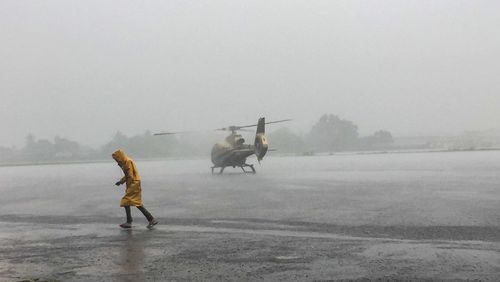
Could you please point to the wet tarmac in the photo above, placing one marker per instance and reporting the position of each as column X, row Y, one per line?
column 420, row 216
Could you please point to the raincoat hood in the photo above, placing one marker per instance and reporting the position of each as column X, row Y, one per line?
column 120, row 157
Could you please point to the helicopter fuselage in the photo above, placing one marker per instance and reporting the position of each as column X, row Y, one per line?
column 225, row 154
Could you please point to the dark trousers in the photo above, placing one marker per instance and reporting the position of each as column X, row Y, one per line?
column 144, row 211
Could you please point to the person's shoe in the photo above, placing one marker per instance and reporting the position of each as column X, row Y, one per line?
column 152, row 223
column 126, row 225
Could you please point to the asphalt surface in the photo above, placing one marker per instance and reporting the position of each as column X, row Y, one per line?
column 424, row 216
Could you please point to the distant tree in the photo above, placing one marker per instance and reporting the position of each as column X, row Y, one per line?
column 65, row 148
column 332, row 133
column 7, row 154
column 147, row 145
column 37, row 150
column 380, row 138
column 119, row 141
column 46, row 151
column 383, row 137
column 29, row 151
column 197, row 144
column 30, row 140
column 141, row 146
column 285, row 141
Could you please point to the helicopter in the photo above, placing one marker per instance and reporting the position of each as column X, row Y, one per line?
column 233, row 152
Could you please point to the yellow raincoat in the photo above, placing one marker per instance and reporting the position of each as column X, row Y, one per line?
column 133, row 193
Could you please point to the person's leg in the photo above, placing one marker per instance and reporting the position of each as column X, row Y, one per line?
column 129, row 215
column 127, row 224
column 146, row 213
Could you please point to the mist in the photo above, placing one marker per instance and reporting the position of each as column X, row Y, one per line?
column 84, row 70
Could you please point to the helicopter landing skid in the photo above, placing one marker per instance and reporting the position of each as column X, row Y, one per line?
column 221, row 169
column 242, row 168
column 251, row 166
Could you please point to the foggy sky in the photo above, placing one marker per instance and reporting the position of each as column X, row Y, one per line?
column 85, row 69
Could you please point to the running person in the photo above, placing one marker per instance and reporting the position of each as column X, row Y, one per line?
column 133, row 192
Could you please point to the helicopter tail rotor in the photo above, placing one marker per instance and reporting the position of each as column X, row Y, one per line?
column 261, row 144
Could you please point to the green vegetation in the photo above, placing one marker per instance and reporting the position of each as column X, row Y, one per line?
column 329, row 134
column 332, row 133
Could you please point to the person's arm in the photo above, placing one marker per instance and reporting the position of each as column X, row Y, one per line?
column 126, row 172
column 121, row 181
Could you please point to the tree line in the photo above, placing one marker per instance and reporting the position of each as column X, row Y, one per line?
column 329, row 134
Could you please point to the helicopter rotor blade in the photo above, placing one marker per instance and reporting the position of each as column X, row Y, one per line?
column 223, row 129
column 171, row 133
column 229, row 128
column 276, row 121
